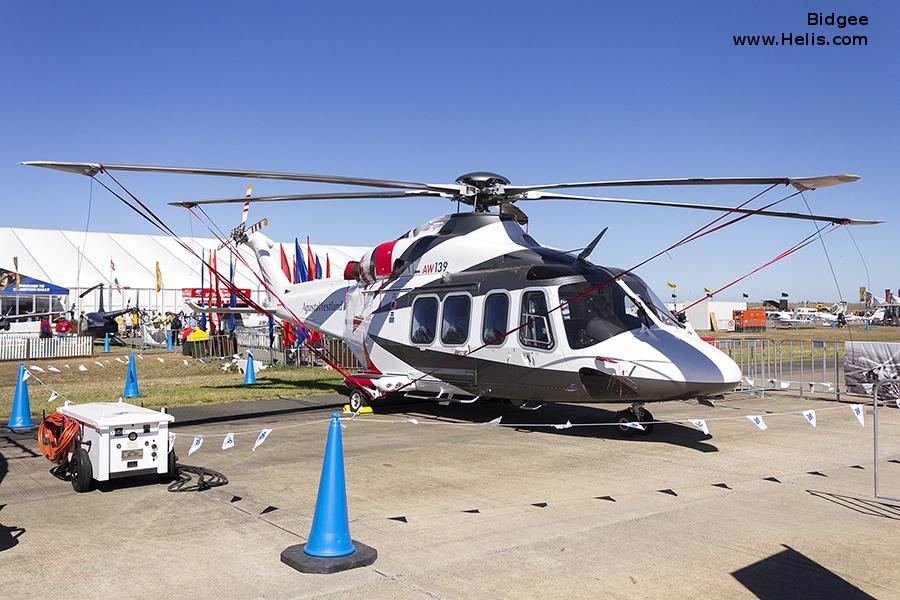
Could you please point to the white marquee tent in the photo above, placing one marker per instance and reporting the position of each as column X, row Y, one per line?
column 54, row 256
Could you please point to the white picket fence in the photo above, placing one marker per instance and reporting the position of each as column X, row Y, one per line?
column 31, row 346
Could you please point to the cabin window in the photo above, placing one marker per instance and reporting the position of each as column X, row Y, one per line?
column 424, row 320
column 496, row 319
column 535, row 331
column 455, row 321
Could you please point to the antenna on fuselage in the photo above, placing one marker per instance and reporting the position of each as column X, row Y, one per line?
column 582, row 256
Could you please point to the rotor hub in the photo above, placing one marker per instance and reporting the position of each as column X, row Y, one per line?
column 485, row 188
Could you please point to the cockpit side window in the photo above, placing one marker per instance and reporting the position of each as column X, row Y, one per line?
column 536, row 324
column 653, row 302
column 594, row 315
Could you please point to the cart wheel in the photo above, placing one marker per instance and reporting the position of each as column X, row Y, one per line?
column 80, row 470
column 358, row 399
column 171, row 474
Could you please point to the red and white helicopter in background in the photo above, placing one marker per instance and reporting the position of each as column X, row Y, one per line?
column 468, row 306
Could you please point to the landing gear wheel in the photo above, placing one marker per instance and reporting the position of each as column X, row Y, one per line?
column 623, row 417
column 358, row 399
column 648, row 427
column 80, row 470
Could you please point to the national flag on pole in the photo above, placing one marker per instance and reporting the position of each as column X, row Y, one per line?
column 784, row 294
column 327, row 266
column 112, row 265
column 285, row 266
column 708, row 291
column 310, row 263
column 202, row 282
column 159, row 281
column 302, row 273
column 745, row 295
column 671, row 285
column 318, row 268
column 232, row 296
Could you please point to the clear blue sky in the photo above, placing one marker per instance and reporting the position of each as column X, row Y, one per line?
column 538, row 91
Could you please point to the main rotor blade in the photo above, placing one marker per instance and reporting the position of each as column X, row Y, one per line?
column 299, row 197
column 92, row 169
column 767, row 213
column 801, row 183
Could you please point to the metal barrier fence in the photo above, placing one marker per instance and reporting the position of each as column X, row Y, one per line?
column 806, row 366
column 879, row 390
column 257, row 340
column 215, row 346
column 30, row 346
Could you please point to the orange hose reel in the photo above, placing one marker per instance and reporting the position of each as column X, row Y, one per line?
column 55, row 436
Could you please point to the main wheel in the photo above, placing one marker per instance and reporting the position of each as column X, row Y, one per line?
column 648, row 427
column 358, row 399
column 623, row 417
column 80, row 470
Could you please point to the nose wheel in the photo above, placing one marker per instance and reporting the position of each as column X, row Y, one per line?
column 636, row 414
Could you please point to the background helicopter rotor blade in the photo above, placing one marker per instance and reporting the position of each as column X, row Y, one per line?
column 767, row 213
column 92, row 169
column 299, row 197
column 801, row 183
column 246, row 211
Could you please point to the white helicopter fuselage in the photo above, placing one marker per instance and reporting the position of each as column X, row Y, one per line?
column 469, row 305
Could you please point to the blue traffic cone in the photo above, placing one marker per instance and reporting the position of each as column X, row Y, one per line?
column 169, row 340
column 329, row 548
column 250, row 371
column 106, row 343
column 20, row 414
column 131, row 382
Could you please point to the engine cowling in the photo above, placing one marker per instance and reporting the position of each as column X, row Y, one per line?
column 378, row 263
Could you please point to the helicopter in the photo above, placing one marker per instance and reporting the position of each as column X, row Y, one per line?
column 469, row 306
column 101, row 323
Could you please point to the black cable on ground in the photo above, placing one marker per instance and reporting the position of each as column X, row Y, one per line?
column 206, row 479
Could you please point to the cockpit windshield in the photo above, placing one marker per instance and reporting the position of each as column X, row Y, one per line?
column 653, row 302
column 593, row 315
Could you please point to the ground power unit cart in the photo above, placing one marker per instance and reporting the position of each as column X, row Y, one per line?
column 99, row 441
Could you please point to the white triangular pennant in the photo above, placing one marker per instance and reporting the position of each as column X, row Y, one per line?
column 812, row 386
column 261, row 438
column 413, row 421
column 566, row 425
column 160, row 359
column 98, row 363
column 82, row 368
column 53, row 396
column 785, row 385
column 810, row 416
column 749, row 381
column 758, row 421
column 36, row 368
column 140, row 356
column 54, row 369
column 494, row 421
column 634, row 425
column 119, row 360
column 828, row 387
column 171, row 441
column 860, row 415
column 184, row 361
column 198, row 441
column 228, row 442
column 26, row 375
column 701, row 425
column 897, row 402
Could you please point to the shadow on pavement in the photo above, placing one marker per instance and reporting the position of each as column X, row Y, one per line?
column 486, row 410
column 790, row 574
